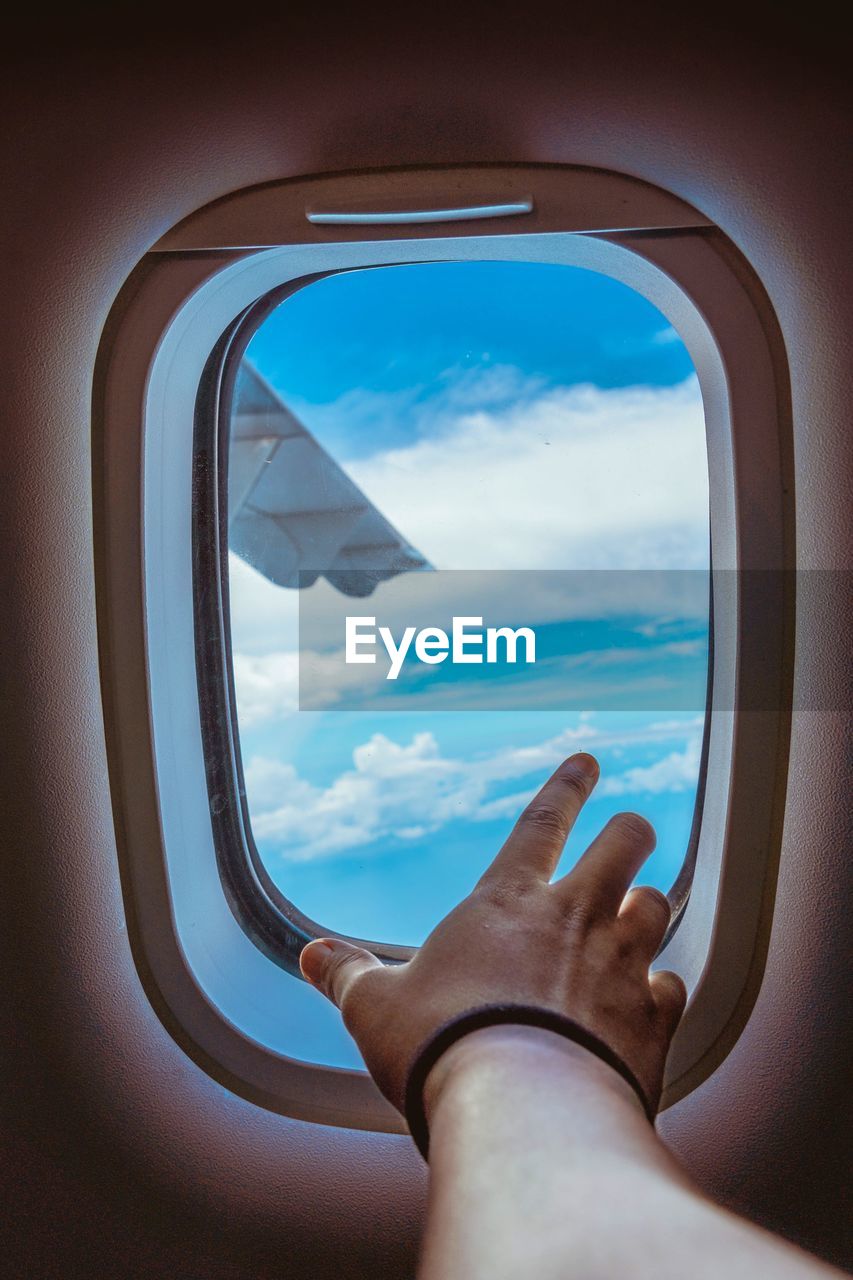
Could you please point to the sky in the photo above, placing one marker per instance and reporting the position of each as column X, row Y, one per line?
column 506, row 418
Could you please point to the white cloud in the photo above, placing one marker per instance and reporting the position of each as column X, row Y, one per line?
column 410, row 790
column 391, row 789
column 264, row 617
column 565, row 478
column 267, row 686
column 494, row 386
column 664, row 597
column 571, row 477
column 621, row 656
column 677, row 771
column 665, row 337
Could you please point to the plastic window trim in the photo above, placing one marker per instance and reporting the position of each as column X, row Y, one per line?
column 161, row 332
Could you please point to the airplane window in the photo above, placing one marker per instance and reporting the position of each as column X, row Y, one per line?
column 422, row 511
column 516, row 443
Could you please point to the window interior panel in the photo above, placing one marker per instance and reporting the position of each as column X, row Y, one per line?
column 501, row 417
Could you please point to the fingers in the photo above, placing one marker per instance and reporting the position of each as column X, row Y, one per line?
column 538, row 837
column 603, row 874
column 644, row 915
column 670, row 996
column 334, row 967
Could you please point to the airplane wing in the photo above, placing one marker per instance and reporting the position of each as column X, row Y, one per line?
column 292, row 512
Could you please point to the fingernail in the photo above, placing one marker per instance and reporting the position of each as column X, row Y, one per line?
column 586, row 763
column 314, row 958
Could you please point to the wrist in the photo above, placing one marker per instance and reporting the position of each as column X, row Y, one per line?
column 508, row 1060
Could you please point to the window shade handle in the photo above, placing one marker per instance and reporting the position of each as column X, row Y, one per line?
column 446, row 213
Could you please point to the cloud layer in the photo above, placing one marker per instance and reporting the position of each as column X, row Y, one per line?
column 569, row 477
column 405, row 790
column 559, row 478
column 499, row 474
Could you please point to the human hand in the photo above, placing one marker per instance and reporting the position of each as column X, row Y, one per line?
column 581, row 946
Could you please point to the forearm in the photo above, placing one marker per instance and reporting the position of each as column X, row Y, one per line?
column 542, row 1163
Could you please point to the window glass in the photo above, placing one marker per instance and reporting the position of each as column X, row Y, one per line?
column 393, row 427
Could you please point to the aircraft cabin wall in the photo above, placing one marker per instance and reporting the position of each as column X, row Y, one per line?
column 125, row 1158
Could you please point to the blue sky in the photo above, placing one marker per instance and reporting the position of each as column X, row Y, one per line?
column 502, row 416
column 563, row 324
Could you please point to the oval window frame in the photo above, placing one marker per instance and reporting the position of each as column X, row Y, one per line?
column 173, row 311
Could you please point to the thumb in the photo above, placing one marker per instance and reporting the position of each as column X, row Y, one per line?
column 670, row 996
column 334, row 966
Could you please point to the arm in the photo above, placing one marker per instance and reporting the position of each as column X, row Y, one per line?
column 542, row 1160
column 566, row 1178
